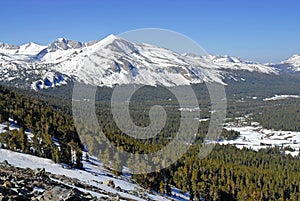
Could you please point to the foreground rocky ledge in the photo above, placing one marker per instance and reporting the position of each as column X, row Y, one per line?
column 37, row 185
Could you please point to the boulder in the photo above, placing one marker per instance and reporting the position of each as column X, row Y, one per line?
column 109, row 183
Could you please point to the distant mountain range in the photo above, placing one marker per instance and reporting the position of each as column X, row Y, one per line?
column 115, row 61
column 290, row 65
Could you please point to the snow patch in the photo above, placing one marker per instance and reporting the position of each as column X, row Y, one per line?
column 281, row 97
column 256, row 138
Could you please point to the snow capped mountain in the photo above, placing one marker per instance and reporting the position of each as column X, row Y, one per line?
column 118, row 61
column 293, row 63
column 26, row 49
column 235, row 63
column 30, row 49
column 112, row 61
column 64, row 44
column 5, row 46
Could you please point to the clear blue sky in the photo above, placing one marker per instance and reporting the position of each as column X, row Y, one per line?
column 261, row 30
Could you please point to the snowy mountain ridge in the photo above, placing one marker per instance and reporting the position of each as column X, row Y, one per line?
column 113, row 61
column 293, row 62
column 30, row 48
column 236, row 63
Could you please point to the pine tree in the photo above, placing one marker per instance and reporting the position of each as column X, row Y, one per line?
column 105, row 157
column 23, row 141
column 78, row 152
column 116, row 165
column 162, row 187
column 55, row 155
column 87, row 157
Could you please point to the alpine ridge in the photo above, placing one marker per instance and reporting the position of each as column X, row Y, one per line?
column 116, row 61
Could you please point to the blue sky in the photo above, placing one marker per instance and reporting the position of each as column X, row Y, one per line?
column 261, row 30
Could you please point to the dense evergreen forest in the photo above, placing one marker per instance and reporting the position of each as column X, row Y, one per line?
column 48, row 125
column 226, row 174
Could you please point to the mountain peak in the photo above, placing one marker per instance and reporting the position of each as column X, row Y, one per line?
column 8, row 46
column 295, row 56
column 293, row 62
column 64, row 44
column 109, row 39
column 118, row 44
column 30, row 48
column 61, row 39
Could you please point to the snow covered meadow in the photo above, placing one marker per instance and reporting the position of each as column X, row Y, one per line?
column 255, row 137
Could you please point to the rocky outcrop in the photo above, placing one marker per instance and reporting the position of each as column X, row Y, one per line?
column 39, row 185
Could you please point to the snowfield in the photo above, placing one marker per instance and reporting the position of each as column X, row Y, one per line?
column 281, row 97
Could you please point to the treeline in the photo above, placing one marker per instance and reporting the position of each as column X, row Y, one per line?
column 54, row 134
